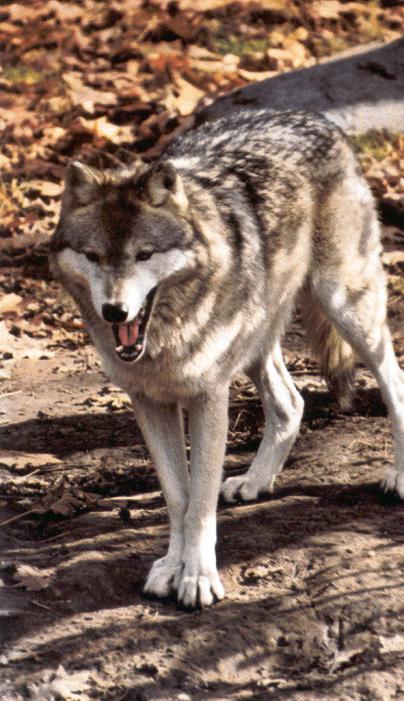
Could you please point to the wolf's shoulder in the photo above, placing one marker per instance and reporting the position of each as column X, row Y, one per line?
column 258, row 130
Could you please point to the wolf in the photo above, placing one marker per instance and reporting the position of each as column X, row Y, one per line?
column 187, row 271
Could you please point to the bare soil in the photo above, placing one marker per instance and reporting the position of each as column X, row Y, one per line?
column 313, row 574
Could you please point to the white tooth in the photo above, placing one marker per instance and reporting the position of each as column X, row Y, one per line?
column 138, row 347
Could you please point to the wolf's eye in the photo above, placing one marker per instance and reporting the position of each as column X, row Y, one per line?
column 144, row 255
column 93, row 257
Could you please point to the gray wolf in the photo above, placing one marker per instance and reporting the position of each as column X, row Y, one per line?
column 187, row 271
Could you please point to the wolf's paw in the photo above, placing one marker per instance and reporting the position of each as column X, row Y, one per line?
column 198, row 591
column 394, row 481
column 161, row 580
column 241, row 488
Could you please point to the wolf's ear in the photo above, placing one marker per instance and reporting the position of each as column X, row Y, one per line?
column 164, row 185
column 82, row 182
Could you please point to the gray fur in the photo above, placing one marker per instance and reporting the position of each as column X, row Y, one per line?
column 259, row 208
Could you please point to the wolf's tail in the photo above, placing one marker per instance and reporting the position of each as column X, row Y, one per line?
column 336, row 357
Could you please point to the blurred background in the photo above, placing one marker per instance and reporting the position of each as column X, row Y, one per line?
column 104, row 80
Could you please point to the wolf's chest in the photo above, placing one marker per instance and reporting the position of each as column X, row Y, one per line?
column 161, row 379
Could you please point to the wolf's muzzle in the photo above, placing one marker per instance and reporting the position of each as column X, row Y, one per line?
column 115, row 313
column 130, row 337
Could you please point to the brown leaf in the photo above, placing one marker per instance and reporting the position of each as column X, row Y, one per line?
column 86, row 97
column 20, row 345
column 32, row 578
column 393, row 257
column 104, row 129
column 65, row 500
column 66, row 11
column 61, row 685
column 46, row 188
column 227, row 64
column 296, row 53
column 181, row 27
column 183, row 97
column 19, row 460
column 51, row 135
column 256, row 75
column 278, row 58
column 20, row 12
column 200, row 53
column 279, row 6
column 5, row 163
column 326, row 9
column 10, row 303
column 57, row 104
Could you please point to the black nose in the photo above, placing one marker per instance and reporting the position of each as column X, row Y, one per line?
column 115, row 312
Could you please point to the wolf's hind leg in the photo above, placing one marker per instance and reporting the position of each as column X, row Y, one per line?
column 162, row 428
column 336, row 357
column 283, row 408
column 358, row 310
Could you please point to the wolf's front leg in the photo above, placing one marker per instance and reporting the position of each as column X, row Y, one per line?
column 162, row 428
column 200, row 584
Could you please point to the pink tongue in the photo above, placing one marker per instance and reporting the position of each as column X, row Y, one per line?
column 128, row 333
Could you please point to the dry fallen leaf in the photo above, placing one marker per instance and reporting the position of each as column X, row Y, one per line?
column 63, row 685
column 292, row 56
column 101, row 127
column 10, row 303
column 326, row 9
column 184, row 97
column 20, row 345
column 393, row 257
column 51, row 135
column 279, row 6
column 65, row 500
column 297, row 53
column 46, row 188
column 19, row 460
column 83, row 96
column 31, row 578
column 256, row 75
column 65, row 11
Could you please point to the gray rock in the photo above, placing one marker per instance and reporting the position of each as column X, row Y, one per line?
column 360, row 90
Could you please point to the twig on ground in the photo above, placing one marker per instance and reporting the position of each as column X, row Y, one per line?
column 10, row 394
column 42, row 606
column 59, row 535
column 16, row 518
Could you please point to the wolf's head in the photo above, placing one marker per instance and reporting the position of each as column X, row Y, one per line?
column 121, row 234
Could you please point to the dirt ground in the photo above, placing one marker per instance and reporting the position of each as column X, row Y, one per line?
column 313, row 574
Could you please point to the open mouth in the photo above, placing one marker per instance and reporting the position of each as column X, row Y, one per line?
column 130, row 337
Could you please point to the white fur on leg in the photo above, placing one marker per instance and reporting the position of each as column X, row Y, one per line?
column 163, row 576
column 394, row 481
column 244, row 488
column 362, row 321
column 200, row 584
column 283, row 407
column 163, row 431
column 391, row 381
column 200, row 590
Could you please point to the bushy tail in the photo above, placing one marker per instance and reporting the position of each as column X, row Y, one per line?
column 336, row 357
